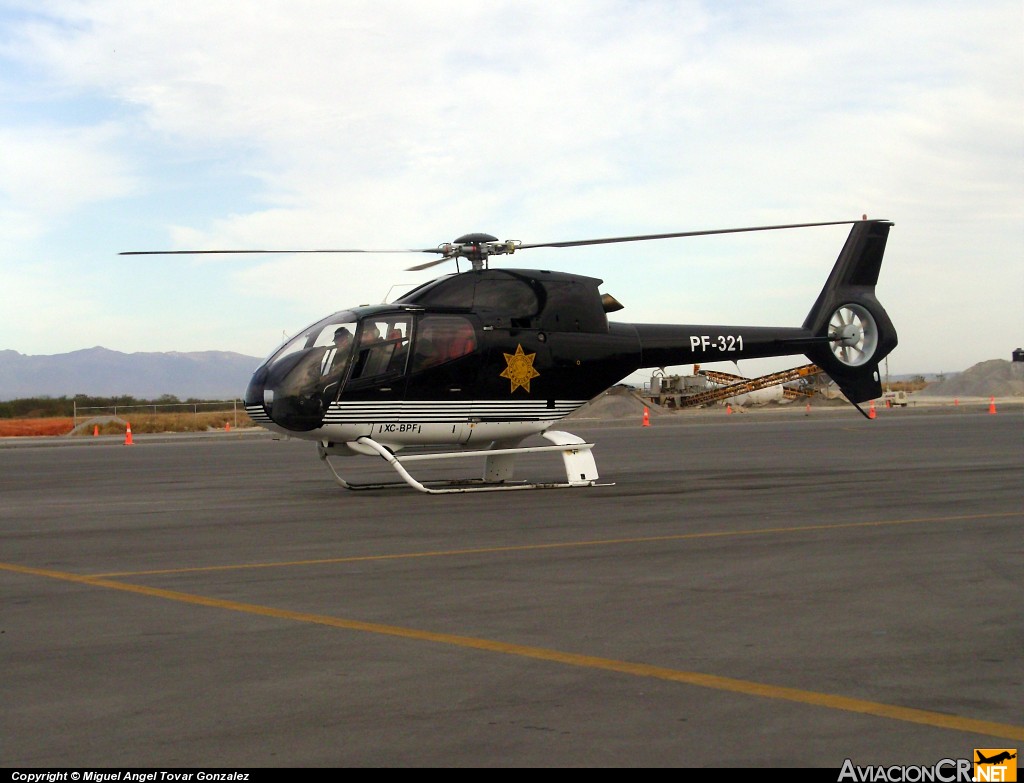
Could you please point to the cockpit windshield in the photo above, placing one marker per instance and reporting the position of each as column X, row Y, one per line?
column 319, row 335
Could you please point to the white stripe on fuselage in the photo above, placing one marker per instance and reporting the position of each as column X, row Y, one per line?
column 448, row 411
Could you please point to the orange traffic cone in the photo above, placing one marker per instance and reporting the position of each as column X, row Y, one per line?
column 95, row 430
column 991, row 404
column 956, row 402
column 128, row 436
column 227, row 426
column 807, row 410
column 728, row 409
column 871, row 410
column 647, row 417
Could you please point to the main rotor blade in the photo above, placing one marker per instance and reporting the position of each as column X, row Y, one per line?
column 643, row 237
column 446, row 253
column 428, row 264
column 213, row 252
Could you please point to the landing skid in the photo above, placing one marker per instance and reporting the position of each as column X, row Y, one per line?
column 580, row 468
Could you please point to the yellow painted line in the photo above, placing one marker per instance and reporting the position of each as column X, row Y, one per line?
column 563, row 545
column 745, row 687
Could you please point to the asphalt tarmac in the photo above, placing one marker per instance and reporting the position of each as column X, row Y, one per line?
column 754, row 591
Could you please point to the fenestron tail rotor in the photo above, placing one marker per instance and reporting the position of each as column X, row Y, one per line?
column 477, row 248
column 854, row 335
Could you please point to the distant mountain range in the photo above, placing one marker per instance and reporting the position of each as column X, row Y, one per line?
column 206, row 375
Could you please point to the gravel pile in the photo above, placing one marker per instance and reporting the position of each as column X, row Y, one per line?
column 617, row 403
column 994, row 378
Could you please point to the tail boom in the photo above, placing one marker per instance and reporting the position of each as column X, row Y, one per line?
column 846, row 333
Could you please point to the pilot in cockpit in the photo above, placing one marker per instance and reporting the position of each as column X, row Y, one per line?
column 342, row 338
column 336, row 356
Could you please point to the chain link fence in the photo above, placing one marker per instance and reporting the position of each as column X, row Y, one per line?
column 215, row 406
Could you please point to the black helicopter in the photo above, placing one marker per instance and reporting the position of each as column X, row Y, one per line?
column 481, row 359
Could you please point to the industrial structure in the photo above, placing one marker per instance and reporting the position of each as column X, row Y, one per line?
column 705, row 387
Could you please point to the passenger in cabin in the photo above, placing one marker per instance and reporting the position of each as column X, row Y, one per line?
column 443, row 340
column 370, row 335
column 369, row 338
column 463, row 341
column 426, row 354
column 401, row 350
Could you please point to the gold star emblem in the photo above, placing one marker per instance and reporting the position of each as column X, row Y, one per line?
column 520, row 369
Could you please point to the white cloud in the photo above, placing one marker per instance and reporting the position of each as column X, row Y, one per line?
column 47, row 172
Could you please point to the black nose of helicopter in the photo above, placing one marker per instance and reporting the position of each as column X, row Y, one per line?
column 289, row 393
column 294, row 387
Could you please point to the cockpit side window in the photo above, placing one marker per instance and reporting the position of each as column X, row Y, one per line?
column 383, row 346
column 336, row 341
column 442, row 338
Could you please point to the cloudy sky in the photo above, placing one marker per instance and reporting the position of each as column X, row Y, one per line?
column 340, row 123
